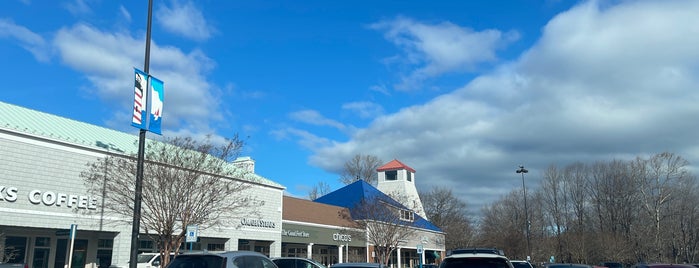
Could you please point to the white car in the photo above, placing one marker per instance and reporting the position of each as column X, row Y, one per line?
column 150, row 260
column 476, row 258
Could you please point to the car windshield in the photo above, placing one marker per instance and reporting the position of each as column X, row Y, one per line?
column 474, row 263
column 144, row 258
column 521, row 264
column 198, row 261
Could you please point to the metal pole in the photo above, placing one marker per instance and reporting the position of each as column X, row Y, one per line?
column 522, row 170
column 136, row 225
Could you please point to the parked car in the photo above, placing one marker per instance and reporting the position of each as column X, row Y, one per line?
column 611, row 264
column 150, row 260
column 228, row 259
column 662, row 265
column 566, row 265
column 296, row 262
column 521, row 264
column 358, row 265
column 476, row 258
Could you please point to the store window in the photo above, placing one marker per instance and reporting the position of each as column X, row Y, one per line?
column 15, row 249
column 104, row 252
column 42, row 250
column 215, row 247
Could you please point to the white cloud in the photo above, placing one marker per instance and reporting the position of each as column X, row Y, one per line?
column 78, row 7
column 315, row 118
column 435, row 49
column 184, row 19
column 600, row 83
column 29, row 40
column 364, row 109
column 107, row 60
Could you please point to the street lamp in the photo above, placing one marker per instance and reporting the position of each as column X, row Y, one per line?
column 522, row 170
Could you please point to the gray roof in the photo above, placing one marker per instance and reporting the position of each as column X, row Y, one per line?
column 23, row 120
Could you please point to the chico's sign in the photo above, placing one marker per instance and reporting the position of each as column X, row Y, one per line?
column 49, row 198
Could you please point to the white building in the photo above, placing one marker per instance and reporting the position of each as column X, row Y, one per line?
column 42, row 194
column 398, row 181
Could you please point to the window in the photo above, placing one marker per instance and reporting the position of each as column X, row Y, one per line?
column 391, row 175
column 215, row 247
column 410, row 175
column 104, row 252
column 42, row 248
column 15, row 249
column 407, row 215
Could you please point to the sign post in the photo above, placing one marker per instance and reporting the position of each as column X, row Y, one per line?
column 191, row 235
column 420, row 251
column 73, row 231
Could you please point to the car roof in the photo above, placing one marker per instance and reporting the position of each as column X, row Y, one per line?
column 357, row 264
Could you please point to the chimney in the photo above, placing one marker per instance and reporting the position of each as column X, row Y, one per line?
column 245, row 163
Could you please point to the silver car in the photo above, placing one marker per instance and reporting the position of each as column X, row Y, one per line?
column 228, row 259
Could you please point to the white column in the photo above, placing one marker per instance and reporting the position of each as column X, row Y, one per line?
column 339, row 253
column 398, row 257
column 422, row 256
column 309, row 249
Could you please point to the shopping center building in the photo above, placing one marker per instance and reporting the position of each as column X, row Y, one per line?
column 42, row 194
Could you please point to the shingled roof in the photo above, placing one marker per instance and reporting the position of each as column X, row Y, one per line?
column 302, row 210
column 394, row 165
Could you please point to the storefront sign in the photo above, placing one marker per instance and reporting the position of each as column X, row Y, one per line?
column 342, row 237
column 296, row 233
column 50, row 198
column 258, row 223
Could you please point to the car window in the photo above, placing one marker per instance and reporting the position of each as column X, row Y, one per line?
column 284, row 263
column 521, row 265
column 474, row 263
column 198, row 261
column 253, row 262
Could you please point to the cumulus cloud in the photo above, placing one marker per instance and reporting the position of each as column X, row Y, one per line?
column 440, row 48
column 602, row 82
column 191, row 102
column 29, row 40
column 184, row 19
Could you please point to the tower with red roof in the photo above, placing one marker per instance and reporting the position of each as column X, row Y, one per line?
column 398, row 180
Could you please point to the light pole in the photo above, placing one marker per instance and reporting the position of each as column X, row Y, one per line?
column 522, row 170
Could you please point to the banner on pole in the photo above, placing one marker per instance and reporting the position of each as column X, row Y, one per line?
column 139, row 103
column 148, row 97
column 156, row 105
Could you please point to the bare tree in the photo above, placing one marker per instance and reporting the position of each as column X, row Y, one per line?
column 185, row 182
column 660, row 177
column 386, row 223
column 450, row 214
column 361, row 167
column 318, row 190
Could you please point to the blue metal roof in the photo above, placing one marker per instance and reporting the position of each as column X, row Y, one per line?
column 353, row 194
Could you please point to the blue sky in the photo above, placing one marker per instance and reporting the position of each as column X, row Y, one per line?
column 462, row 91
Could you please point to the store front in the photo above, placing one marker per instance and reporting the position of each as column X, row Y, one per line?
column 42, row 194
column 327, row 245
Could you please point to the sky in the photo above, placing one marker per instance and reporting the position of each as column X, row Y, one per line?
column 461, row 91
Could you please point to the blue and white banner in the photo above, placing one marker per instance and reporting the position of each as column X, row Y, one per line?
column 140, row 99
column 156, row 105
column 147, row 100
